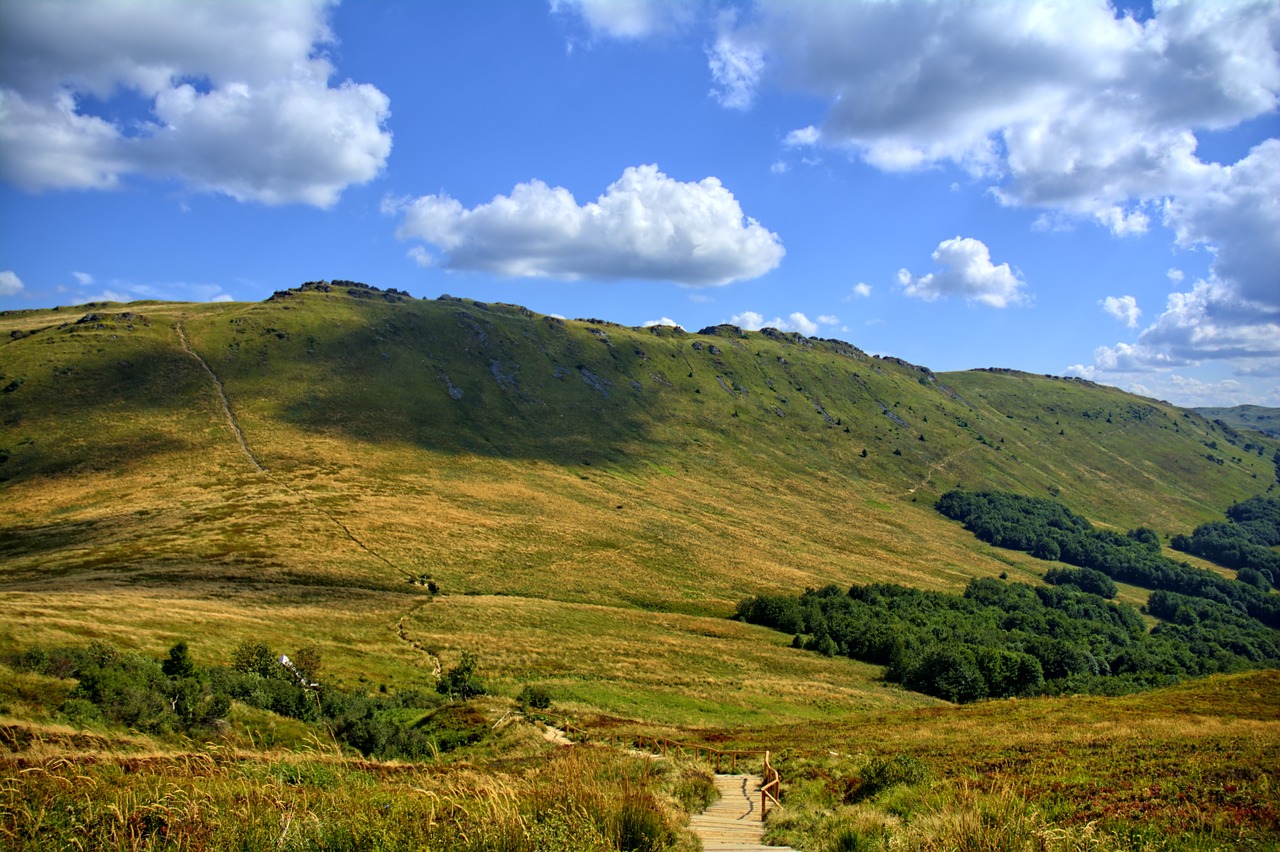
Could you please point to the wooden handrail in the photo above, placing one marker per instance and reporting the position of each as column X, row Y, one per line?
column 771, row 780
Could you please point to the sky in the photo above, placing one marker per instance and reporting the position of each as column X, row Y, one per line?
column 1068, row 187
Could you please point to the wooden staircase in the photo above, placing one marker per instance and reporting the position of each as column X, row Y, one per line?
column 734, row 823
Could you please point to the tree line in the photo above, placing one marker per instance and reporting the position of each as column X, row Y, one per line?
column 1243, row 541
column 1000, row 639
column 1048, row 530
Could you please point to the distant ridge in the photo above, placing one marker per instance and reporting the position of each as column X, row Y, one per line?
column 1255, row 417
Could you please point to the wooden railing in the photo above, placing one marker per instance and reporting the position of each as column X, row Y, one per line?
column 771, row 779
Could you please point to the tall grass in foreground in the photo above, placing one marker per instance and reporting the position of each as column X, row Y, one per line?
column 900, row 804
column 575, row 799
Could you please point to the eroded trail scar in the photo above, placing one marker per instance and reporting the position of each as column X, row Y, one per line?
column 257, row 465
column 222, row 397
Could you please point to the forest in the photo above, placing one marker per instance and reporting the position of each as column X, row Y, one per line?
column 1000, row 639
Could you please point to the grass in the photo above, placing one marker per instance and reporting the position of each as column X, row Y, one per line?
column 575, row 799
column 665, row 668
column 592, row 501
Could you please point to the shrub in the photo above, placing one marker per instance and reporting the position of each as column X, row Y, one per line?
column 882, row 773
column 534, row 696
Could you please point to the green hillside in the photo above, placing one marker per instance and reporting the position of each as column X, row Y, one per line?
column 1253, row 417
column 582, row 505
column 499, row 451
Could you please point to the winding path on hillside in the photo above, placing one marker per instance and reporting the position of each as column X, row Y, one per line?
column 734, row 822
column 258, row 466
column 222, row 397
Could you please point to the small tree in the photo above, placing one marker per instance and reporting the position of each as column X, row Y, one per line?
column 461, row 681
column 255, row 658
column 179, row 664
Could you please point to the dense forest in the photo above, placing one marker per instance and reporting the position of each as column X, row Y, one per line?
column 1243, row 541
column 1048, row 530
column 1002, row 639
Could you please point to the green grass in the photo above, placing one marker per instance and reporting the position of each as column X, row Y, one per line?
column 591, row 500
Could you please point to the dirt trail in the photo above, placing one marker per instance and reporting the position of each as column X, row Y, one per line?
column 258, row 466
column 934, row 468
column 222, row 397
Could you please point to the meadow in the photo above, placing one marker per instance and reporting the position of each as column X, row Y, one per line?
column 581, row 506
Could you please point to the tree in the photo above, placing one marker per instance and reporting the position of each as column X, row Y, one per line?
column 461, row 681
column 179, row 664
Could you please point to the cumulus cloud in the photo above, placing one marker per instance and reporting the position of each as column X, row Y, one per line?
column 10, row 283
column 667, row 321
column 645, row 226
column 1123, row 308
column 861, row 290
column 1074, row 103
column 1210, row 325
column 1064, row 106
column 802, row 137
column 754, row 321
column 1175, row 275
column 970, row 274
column 84, row 278
column 239, row 96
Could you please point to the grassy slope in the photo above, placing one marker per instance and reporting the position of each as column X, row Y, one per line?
column 505, row 453
column 592, row 500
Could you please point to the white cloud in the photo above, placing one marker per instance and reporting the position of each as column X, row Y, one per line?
column 736, row 66
column 664, row 321
column 1236, row 211
column 754, row 321
column 803, row 137
column 239, row 97
column 1124, row 308
column 780, row 168
column 1063, row 106
column 10, row 283
column 1123, row 223
column 828, row 319
column 1176, row 275
column 861, row 290
column 971, row 274
column 422, row 257
column 645, row 226
column 1208, row 326
column 84, row 278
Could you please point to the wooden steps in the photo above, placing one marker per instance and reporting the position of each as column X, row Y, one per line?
column 733, row 824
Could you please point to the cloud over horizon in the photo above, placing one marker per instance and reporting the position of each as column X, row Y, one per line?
column 646, row 226
column 970, row 274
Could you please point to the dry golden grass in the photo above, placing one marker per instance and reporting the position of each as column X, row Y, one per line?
column 661, row 667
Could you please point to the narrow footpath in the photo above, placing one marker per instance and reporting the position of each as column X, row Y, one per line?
column 733, row 824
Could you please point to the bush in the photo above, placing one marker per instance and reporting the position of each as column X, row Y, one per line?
column 534, row 696
column 883, row 773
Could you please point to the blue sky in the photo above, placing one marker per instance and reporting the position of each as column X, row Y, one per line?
column 1060, row 187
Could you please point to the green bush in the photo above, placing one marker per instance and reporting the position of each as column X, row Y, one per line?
column 534, row 696
column 882, row 773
